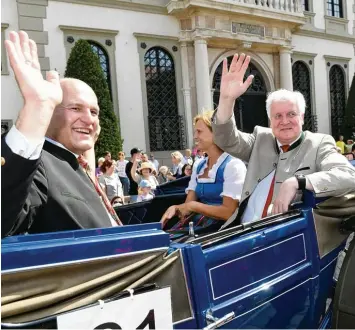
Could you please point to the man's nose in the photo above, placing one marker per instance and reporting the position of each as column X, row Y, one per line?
column 87, row 117
column 284, row 120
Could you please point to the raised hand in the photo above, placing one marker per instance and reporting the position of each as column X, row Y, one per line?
column 40, row 96
column 24, row 62
column 232, row 85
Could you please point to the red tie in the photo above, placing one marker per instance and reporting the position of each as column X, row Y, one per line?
column 84, row 164
column 271, row 190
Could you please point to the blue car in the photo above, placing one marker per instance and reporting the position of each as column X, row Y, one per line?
column 277, row 272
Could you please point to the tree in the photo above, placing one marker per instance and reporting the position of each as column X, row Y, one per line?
column 348, row 129
column 84, row 64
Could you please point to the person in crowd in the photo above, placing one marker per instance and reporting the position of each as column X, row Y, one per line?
column 187, row 158
column 215, row 186
column 200, row 154
column 117, row 201
column 348, row 146
column 98, row 168
column 109, row 181
column 145, row 191
column 107, row 155
column 46, row 185
column 154, row 162
column 145, row 172
column 186, row 170
column 351, row 155
column 144, row 157
column 133, row 186
column 283, row 160
column 177, row 161
column 194, row 152
column 341, row 144
column 121, row 172
column 163, row 175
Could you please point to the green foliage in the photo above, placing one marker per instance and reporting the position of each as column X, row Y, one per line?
column 348, row 129
column 84, row 64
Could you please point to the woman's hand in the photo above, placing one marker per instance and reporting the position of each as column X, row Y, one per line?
column 169, row 213
column 181, row 211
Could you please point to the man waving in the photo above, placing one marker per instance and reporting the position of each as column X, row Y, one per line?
column 46, row 182
column 282, row 160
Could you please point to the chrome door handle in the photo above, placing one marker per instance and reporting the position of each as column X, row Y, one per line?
column 214, row 322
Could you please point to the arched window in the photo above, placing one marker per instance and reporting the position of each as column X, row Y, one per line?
column 165, row 124
column 302, row 83
column 104, row 61
column 337, row 98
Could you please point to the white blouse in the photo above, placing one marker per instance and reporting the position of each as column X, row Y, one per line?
column 121, row 168
column 234, row 176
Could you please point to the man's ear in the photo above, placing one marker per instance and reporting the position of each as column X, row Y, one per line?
column 302, row 118
column 98, row 130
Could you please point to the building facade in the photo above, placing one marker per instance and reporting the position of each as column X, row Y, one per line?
column 162, row 59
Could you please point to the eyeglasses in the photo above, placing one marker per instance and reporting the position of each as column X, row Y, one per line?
column 289, row 115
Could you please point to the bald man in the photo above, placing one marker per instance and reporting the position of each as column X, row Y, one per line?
column 44, row 188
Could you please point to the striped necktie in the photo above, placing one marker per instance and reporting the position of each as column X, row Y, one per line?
column 84, row 164
column 271, row 190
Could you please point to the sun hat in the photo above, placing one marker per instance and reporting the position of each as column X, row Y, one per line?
column 146, row 165
column 145, row 184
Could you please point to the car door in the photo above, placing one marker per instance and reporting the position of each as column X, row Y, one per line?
column 262, row 277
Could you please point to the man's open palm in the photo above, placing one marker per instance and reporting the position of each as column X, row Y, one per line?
column 232, row 82
column 23, row 59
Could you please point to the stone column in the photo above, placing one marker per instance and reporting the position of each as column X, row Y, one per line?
column 286, row 68
column 186, row 94
column 203, row 89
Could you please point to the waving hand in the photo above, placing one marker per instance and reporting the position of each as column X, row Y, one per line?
column 233, row 85
column 40, row 96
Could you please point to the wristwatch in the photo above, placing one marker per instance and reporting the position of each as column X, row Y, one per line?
column 301, row 179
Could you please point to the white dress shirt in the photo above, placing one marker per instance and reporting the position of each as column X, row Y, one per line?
column 20, row 145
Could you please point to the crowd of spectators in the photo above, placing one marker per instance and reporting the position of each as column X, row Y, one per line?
column 135, row 179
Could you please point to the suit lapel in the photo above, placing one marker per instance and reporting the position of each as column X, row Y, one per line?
column 99, row 210
column 62, row 154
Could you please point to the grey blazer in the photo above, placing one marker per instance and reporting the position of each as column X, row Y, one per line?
column 316, row 157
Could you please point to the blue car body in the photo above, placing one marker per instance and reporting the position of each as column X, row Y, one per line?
column 270, row 275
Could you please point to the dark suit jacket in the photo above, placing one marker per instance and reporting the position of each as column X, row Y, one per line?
column 52, row 193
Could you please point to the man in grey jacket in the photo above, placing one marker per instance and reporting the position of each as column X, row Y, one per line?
column 282, row 160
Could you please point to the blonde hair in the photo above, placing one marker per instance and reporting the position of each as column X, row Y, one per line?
column 177, row 155
column 206, row 117
column 101, row 160
column 163, row 169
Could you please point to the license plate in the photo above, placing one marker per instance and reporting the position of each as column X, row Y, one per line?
column 149, row 310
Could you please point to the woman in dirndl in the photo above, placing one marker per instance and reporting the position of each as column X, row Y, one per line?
column 215, row 186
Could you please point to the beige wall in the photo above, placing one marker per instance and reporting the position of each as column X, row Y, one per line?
column 11, row 100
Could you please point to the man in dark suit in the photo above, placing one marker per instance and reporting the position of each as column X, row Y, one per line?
column 44, row 189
